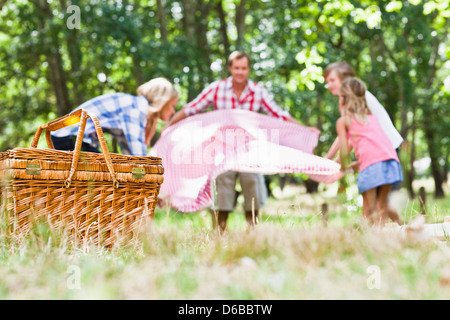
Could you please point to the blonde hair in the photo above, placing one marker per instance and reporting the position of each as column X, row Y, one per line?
column 159, row 92
column 342, row 69
column 353, row 93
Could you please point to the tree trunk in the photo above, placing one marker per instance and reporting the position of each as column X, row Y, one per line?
column 189, row 21
column 405, row 99
column 162, row 20
column 445, row 170
column 435, row 169
column 409, row 149
column 240, row 23
column 412, row 157
column 429, row 130
column 137, row 72
column 59, row 83
column 57, row 74
column 195, row 25
column 223, row 28
column 189, row 32
column 204, row 66
column 76, row 57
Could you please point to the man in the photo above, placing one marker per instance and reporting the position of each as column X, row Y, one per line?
column 236, row 92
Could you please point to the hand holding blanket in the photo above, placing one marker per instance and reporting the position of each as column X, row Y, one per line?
column 201, row 147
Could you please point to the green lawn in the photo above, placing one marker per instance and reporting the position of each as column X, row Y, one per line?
column 290, row 254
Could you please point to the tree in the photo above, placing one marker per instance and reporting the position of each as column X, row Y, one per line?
column 399, row 48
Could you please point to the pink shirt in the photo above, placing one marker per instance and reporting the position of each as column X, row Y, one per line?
column 221, row 96
column 370, row 142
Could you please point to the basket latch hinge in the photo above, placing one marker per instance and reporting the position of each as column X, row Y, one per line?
column 33, row 169
column 138, row 173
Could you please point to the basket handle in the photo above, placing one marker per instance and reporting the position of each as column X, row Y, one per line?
column 76, row 116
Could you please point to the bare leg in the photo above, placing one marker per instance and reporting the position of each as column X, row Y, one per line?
column 222, row 217
column 251, row 219
column 382, row 202
column 393, row 215
column 383, row 206
column 369, row 205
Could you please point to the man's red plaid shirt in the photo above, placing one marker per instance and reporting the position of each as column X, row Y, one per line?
column 221, row 96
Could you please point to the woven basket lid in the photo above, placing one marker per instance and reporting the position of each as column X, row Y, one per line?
column 50, row 164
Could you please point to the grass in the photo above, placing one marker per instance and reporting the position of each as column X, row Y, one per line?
column 290, row 254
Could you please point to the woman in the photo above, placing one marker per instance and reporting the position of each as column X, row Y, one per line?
column 131, row 119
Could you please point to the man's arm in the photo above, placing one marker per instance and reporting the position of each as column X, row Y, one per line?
column 293, row 120
column 199, row 104
column 270, row 107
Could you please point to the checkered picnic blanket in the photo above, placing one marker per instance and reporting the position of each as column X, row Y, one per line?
column 197, row 149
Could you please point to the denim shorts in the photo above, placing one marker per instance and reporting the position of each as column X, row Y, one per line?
column 378, row 174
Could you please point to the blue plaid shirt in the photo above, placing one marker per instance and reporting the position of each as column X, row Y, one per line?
column 122, row 115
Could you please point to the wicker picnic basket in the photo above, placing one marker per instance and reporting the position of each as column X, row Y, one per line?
column 96, row 197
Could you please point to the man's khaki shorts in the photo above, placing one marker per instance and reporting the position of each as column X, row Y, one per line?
column 253, row 187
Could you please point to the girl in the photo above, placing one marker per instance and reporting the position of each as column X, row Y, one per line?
column 377, row 159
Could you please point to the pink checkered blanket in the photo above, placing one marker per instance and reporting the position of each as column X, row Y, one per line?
column 197, row 149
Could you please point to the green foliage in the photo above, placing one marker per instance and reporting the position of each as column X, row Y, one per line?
column 399, row 48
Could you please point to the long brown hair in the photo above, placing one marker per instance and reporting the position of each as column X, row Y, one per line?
column 353, row 93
